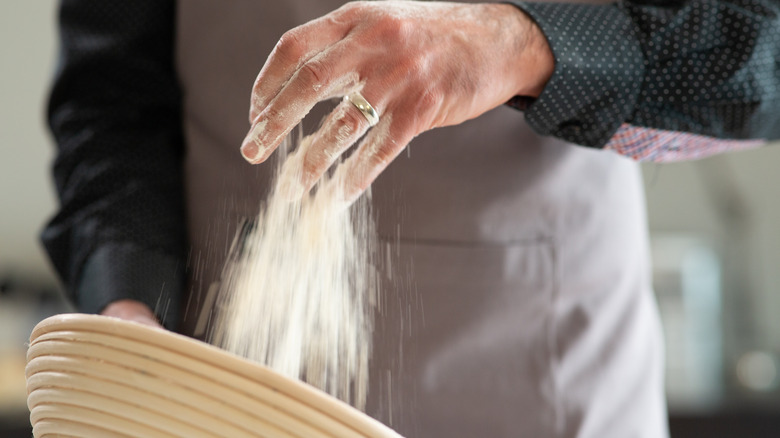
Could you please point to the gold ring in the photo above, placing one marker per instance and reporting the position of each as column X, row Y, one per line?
column 362, row 104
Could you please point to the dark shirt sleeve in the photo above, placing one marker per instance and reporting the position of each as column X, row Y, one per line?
column 115, row 113
column 710, row 68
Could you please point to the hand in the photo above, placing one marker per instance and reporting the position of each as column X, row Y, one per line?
column 421, row 65
column 131, row 310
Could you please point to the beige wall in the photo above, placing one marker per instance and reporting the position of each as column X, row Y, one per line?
column 27, row 56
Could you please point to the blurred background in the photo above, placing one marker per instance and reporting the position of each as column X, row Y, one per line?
column 715, row 243
column 28, row 287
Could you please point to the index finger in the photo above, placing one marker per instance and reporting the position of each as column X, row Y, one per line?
column 294, row 48
column 324, row 76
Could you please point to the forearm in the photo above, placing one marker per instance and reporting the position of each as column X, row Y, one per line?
column 708, row 69
column 114, row 112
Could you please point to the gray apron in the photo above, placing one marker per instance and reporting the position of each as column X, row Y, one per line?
column 520, row 302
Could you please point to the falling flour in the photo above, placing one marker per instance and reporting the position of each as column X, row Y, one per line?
column 299, row 291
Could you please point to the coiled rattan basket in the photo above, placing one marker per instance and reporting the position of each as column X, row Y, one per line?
column 95, row 376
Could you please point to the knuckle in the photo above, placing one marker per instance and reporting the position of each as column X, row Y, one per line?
column 393, row 28
column 424, row 107
column 273, row 114
column 430, row 102
column 410, row 67
column 357, row 8
column 315, row 162
column 381, row 157
column 416, row 68
column 351, row 122
column 351, row 7
column 274, row 123
column 315, row 72
column 430, row 98
column 291, row 47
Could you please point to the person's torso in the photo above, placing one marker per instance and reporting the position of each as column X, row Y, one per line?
column 519, row 303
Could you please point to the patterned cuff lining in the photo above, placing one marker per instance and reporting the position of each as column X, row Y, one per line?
column 658, row 145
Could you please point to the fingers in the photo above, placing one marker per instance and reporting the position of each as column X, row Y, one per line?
column 343, row 127
column 385, row 141
column 294, row 48
column 317, row 152
column 380, row 147
column 131, row 310
column 377, row 150
column 432, row 64
column 321, row 77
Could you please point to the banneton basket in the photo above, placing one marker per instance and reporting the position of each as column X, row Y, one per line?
column 96, row 376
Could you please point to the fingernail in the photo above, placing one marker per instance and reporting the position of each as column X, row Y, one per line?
column 250, row 147
column 249, row 151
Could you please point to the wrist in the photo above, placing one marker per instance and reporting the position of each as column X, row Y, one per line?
column 532, row 59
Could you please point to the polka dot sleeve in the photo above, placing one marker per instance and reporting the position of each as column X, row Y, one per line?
column 708, row 68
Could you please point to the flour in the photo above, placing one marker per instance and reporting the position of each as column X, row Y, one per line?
column 300, row 294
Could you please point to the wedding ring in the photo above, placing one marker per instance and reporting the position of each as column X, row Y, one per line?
column 362, row 104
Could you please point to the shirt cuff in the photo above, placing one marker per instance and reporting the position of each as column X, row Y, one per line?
column 118, row 271
column 599, row 67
